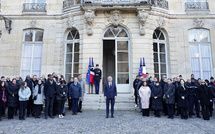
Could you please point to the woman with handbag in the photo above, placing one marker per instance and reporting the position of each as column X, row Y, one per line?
column 38, row 98
column 61, row 97
column 24, row 94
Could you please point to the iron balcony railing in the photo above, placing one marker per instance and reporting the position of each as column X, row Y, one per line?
column 196, row 6
column 34, row 7
column 159, row 3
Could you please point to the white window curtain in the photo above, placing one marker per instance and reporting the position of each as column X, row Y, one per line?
column 32, row 54
column 200, row 53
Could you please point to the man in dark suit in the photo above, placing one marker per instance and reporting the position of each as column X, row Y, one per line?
column 110, row 94
column 97, row 78
column 49, row 90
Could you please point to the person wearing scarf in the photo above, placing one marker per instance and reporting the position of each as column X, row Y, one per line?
column 38, row 98
column 205, row 99
column 3, row 97
column 183, row 102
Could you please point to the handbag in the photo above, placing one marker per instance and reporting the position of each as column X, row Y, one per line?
column 164, row 96
column 35, row 97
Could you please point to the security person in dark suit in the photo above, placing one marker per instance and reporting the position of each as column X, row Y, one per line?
column 97, row 78
column 110, row 94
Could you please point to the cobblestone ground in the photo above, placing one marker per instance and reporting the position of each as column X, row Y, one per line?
column 90, row 122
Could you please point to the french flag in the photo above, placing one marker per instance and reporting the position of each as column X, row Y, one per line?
column 92, row 73
column 142, row 70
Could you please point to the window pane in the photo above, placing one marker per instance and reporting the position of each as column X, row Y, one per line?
column 197, row 74
column 195, row 64
column 163, row 68
column 76, row 57
column 27, row 51
column 69, row 47
column 206, row 75
column 76, row 68
column 155, row 47
column 68, row 68
column 155, row 57
column 162, row 47
column 122, row 56
column 26, row 63
column 109, row 33
column 38, row 73
column 29, row 35
column 205, row 50
column 163, row 58
column 69, row 37
column 39, row 36
column 162, row 36
column 37, row 50
column 69, row 58
column 123, row 78
column 156, row 69
column 122, row 67
column 123, row 34
column 37, row 63
column 68, row 76
column 25, row 73
column 194, row 50
column 122, row 45
column 76, row 49
column 206, row 64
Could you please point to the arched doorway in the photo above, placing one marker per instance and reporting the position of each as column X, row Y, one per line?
column 116, row 57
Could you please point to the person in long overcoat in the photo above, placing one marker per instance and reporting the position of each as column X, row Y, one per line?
column 183, row 102
column 156, row 97
column 61, row 97
column 3, row 97
column 169, row 91
column 12, row 98
column 75, row 95
column 205, row 99
column 40, row 98
column 82, row 83
column 145, row 94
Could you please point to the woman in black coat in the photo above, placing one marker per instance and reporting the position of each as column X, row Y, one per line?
column 3, row 98
column 61, row 97
column 12, row 98
column 205, row 99
column 183, row 102
column 156, row 97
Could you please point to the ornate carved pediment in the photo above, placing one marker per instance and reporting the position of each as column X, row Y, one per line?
column 115, row 17
column 89, row 17
column 142, row 15
column 70, row 21
column 198, row 23
column 160, row 22
column 33, row 23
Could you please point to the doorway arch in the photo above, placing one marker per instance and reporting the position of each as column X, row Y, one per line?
column 116, row 57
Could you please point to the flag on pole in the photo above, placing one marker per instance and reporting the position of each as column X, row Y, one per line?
column 144, row 68
column 88, row 72
column 92, row 73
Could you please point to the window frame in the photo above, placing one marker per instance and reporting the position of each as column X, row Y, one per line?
column 32, row 43
column 72, row 42
column 158, row 42
column 199, row 44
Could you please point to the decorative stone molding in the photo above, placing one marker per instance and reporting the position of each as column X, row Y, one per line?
column 89, row 17
column 70, row 21
column 33, row 23
column 160, row 22
column 142, row 15
column 198, row 23
column 115, row 17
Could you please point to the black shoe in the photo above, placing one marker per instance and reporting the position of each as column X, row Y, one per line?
column 80, row 111
column 198, row 116
column 112, row 116
column 52, row 117
column 46, row 117
column 169, row 117
column 73, row 113
column 107, row 116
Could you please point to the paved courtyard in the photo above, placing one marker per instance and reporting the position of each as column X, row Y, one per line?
column 90, row 122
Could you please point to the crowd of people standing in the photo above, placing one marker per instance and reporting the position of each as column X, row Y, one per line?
column 32, row 93
column 175, row 96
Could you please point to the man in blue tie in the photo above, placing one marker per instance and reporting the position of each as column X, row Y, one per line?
column 110, row 94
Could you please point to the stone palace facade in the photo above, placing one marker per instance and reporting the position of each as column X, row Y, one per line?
column 44, row 36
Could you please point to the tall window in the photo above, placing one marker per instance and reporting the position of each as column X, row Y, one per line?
column 72, row 54
column 200, row 53
column 32, row 53
column 159, row 48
